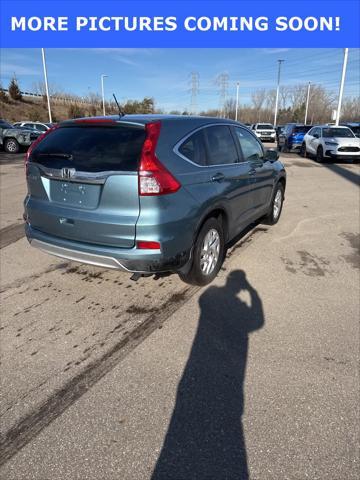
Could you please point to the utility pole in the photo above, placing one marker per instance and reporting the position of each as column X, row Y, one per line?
column 277, row 92
column 341, row 89
column 307, row 102
column 194, row 90
column 46, row 83
column 103, row 92
column 237, row 101
column 223, row 82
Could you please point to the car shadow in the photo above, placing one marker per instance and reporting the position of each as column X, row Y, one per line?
column 205, row 438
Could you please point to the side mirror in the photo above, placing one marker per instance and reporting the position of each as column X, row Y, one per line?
column 271, row 155
column 316, row 135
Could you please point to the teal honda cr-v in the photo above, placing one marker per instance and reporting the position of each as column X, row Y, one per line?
column 149, row 193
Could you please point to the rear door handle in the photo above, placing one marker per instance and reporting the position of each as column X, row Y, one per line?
column 218, row 177
column 252, row 171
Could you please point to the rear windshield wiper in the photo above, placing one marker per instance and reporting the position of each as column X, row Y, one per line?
column 60, row 155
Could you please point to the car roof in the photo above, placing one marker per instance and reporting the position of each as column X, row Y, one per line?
column 148, row 118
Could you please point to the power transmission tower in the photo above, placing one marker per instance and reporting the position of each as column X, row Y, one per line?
column 222, row 81
column 194, row 90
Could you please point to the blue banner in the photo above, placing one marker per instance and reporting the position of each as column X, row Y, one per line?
column 159, row 23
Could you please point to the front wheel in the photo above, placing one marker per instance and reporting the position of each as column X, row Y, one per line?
column 11, row 145
column 276, row 205
column 208, row 254
column 303, row 151
column 320, row 155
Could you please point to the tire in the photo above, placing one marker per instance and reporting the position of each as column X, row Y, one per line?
column 285, row 148
column 275, row 207
column 11, row 145
column 279, row 148
column 320, row 155
column 303, row 151
column 211, row 231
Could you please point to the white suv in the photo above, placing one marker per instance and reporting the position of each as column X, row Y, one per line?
column 265, row 131
column 324, row 142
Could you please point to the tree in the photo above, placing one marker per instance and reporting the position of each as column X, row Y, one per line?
column 3, row 96
column 14, row 89
column 75, row 111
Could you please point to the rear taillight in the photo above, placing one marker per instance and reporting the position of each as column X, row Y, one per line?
column 154, row 178
column 35, row 143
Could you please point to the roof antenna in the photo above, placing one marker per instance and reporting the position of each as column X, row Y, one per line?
column 121, row 113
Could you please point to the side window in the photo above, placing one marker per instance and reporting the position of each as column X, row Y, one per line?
column 221, row 145
column 41, row 128
column 251, row 148
column 316, row 131
column 29, row 125
column 194, row 148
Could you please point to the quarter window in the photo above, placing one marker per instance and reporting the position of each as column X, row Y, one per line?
column 221, row 145
column 251, row 148
column 194, row 148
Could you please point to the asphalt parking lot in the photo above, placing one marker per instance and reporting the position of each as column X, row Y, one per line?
column 255, row 376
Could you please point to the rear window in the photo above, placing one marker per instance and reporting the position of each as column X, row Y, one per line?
column 302, row 129
column 264, row 126
column 91, row 149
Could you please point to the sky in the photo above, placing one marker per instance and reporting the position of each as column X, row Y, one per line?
column 164, row 74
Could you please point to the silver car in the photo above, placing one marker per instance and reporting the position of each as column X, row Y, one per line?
column 12, row 139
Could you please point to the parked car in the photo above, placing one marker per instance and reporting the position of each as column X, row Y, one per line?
column 292, row 137
column 12, row 139
column 265, row 131
column 149, row 193
column 324, row 142
column 38, row 126
column 354, row 127
column 278, row 130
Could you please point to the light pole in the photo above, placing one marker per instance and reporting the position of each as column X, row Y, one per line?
column 341, row 89
column 277, row 92
column 307, row 102
column 46, row 83
column 237, row 101
column 103, row 93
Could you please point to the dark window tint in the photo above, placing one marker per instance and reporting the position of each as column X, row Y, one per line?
column 194, row 149
column 5, row 125
column 91, row 149
column 41, row 128
column 251, row 148
column 337, row 132
column 221, row 146
column 302, row 129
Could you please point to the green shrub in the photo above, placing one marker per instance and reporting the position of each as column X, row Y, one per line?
column 14, row 89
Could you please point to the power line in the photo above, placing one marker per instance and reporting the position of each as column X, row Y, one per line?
column 194, row 89
column 222, row 81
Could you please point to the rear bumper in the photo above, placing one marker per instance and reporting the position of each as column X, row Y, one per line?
column 128, row 260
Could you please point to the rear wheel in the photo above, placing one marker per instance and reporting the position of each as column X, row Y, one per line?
column 303, row 151
column 320, row 155
column 276, row 205
column 11, row 145
column 208, row 254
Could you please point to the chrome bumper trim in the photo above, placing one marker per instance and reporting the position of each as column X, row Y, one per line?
column 78, row 256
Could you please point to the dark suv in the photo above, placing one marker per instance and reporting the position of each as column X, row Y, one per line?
column 149, row 193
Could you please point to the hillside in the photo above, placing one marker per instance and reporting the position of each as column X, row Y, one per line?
column 36, row 110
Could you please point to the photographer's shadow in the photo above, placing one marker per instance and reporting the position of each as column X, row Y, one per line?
column 205, row 438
